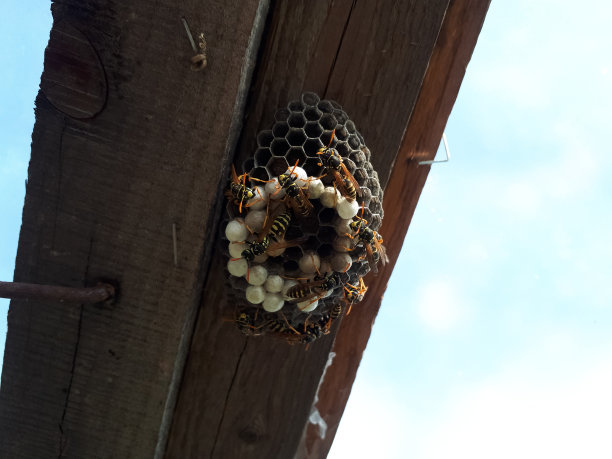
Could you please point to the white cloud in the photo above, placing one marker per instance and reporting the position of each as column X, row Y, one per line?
column 373, row 425
column 522, row 199
column 440, row 305
column 514, row 416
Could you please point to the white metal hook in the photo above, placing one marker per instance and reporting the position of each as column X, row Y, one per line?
column 432, row 161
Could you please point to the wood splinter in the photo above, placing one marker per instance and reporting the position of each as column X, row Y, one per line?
column 101, row 292
column 198, row 62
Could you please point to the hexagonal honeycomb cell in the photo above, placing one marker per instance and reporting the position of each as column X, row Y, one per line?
column 312, row 239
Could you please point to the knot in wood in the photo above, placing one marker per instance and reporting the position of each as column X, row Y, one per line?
column 253, row 432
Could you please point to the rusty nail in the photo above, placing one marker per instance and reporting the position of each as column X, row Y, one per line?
column 101, row 292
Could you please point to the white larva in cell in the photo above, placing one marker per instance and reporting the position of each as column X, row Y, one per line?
column 302, row 176
column 329, row 197
column 342, row 227
column 238, row 267
column 341, row 262
column 235, row 231
column 255, row 220
column 346, row 208
column 310, row 263
column 308, row 305
column 259, row 201
column 273, row 302
column 274, row 190
column 343, row 244
column 274, row 283
column 286, row 286
column 260, row 258
column 315, row 188
column 325, row 267
column 257, row 275
column 255, row 294
column 235, row 249
column 275, row 252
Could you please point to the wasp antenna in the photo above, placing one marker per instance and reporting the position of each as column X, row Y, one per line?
column 260, row 180
column 314, row 264
column 294, row 166
column 289, row 325
column 332, row 138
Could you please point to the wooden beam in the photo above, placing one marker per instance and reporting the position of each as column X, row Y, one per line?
column 124, row 147
column 249, row 397
column 451, row 55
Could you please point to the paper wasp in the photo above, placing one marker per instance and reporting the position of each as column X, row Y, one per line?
column 314, row 289
column 354, row 294
column 311, row 332
column 271, row 237
column 371, row 240
column 247, row 324
column 343, row 179
column 295, row 195
column 241, row 194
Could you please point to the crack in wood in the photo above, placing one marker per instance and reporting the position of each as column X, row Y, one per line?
column 59, row 179
column 227, row 396
column 333, row 65
column 63, row 442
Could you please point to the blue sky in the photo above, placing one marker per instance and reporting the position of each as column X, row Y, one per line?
column 24, row 32
column 493, row 339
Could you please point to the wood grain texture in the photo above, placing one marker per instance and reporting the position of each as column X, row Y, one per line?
column 102, row 195
column 452, row 53
column 252, row 397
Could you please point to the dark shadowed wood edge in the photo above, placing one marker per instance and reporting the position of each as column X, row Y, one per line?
column 453, row 50
column 252, row 397
column 128, row 145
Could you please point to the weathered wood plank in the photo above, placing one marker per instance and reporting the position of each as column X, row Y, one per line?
column 453, row 50
column 249, row 397
column 102, row 196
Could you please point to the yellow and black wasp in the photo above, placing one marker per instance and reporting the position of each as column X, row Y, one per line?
column 314, row 289
column 326, row 320
column 311, row 332
column 371, row 240
column 240, row 193
column 296, row 198
column 248, row 324
column 343, row 179
column 271, row 237
column 354, row 294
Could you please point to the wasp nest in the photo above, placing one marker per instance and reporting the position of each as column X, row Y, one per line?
column 304, row 213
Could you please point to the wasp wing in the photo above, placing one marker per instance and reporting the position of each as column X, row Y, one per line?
column 350, row 177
